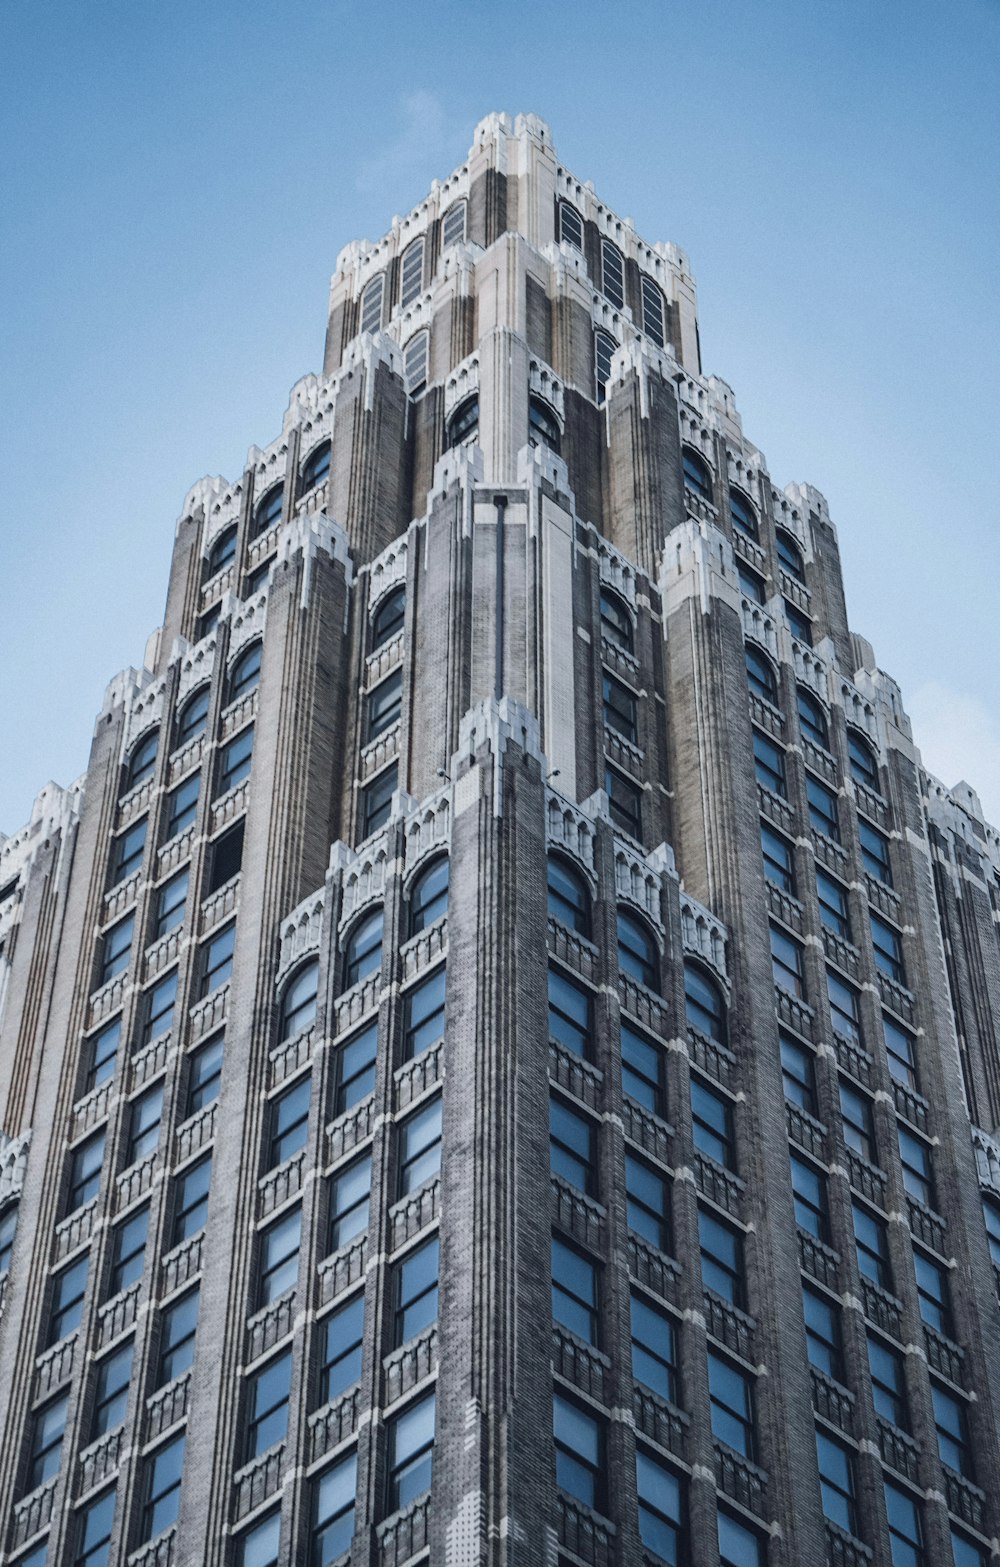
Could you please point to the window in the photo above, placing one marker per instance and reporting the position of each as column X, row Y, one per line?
column 170, row 901
column 570, row 1013
column 932, row 1292
column 574, row 1290
column 204, row 1074
column 128, row 1248
column 712, row 1124
column 316, row 468
column 570, row 225
column 126, row 853
column 429, row 896
column 8, row 1229
column 415, row 364
column 141, row 763
column 571, row 1146
column 111, row 1392
column 697, row 474
column 333, row 1511
column 779, row 859
column 158, row 1008
column 742, row 515
column 647, row 1203
column 620, row 709
column 178, row 1325
column 751, row 585
column 654, row 1356
column 861, row 761
column 579, row 1442
column 425, row 1006
column 991, row 1213
column 221, row 553
column 289, row 1122
column 268, row 510
column 888, row 1382
column 207, row 623
column 660, row 1508
column 420, row 1148
column 604, row 349
column 298, row 1001
column 809, row 1198
column 355, row 1069
column 637, row 953
column 244, row 675
column 859, row 1129
column 642, row 1070
column 67, row 1300
column 182, row 807
column 951, row 1424
column 624, row 802
column 769, row 764
column 875, row 853
column 543, row 426
column 235, row 760
column 363, row 953
column 388, row 617
column 905, row 1539
column 824, row 1343
column 918, row 1174
column 798, row 1073
column 616, row 622
column 888, row 946
column 799, row 625
column 845, row 1012
column 115, row 952
column 721, row 1250
column 193, row 719
column 376, row 801
column 226, row 857
column 191, row 1208
column 453, row 225
column 48, row 1430
column 416, row 1291
column 144, row 1124
column 964, row 1553
column 789, row 555
column 371, row 304
column 217, row 959
column 85, row 1172
column 821, row 803
column 731, row 1403
column 279, row 1257
column 833, row 910
column 411, row 271
column 786, row 962
column 738, row 1545
column 93, row 1538
column 385, row 704
column 871, row 1243
column 343, row 1338
column 411, row 1453
column 704, row 1005
column 267, row 1411
column 761, row 678
column 812, row 719
column 901, row 1051
column 463, row 426
column 652, row 311
column 102, row 1049
column 350, row 1191
column 612, row 273
column 836, row 1481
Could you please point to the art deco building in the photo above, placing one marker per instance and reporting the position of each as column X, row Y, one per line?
column 499, row 1050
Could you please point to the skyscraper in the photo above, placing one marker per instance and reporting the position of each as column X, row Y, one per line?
column 498, row 1057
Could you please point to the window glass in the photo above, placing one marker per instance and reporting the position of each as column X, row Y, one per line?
column 654, row 1357
column 604, row 349
column 316, row 468
column 964, row 1553
column 178, row 1325
column 769, row 764
column 761, row 678
column 217, row 959
column 226, row 857
column 267, row 1405
column 812, row 718
column 861, row 760
column 463, row 426
column 823, row 1333
column 779, row 859
column 642, row 1069
column 48, row 1430
column 116, row 949
column 8, row 1229
column 647, row 1202
column 355, row 1068
column 652, row 311
column 371, row 304
column 93, row 1532
column 68, row 1289
column 182, row 807
column 616, row 621
column 798, row 1073
column 859, row 1129
column 411, row 1452
column 144, row 1124
column 342, row 1340
column 574, row 1290
column 102, row 1050
column 786, row 962
column 660, row 1508
column 279, row 1257
column 712, row 1124
column 141, row 763
column 822, row 807
column 572, row 1146
column 872, row 1246
column 453, row 224
column 221, row 553
column 751, row 585
column 836, row 1481
column 951, row 1425
column 543, row 426
column 204, row 1074
column 731, row 1404
column 235, row 761
column 697, row 474
column 809, row 1197
column 158, row 1008
column 845, row 1010
column 163, row 1488
column 333, row 1511
column 268, row 510
column 738, row 1545
column 888, row 946
column 721, row 1257
column 192, row 1200
column 363, row 953
column 901, row 1049
column 637, row 954
column 385, row 704
column 377, row 801
column 193, row 718
column 411, row 271
column 416, row 1291
column 388, row 617
column 415, row 364
column 85, row 1171
column 620, row 709
column 570, row 225
column 932, row 1292
column 350, row 1191
column 612, row 273
column 289, row 1122
column 579, row 1443
column 704, row 1004
column 905, row 1537
column 789, row 555
column 429, row 896
column 170, row 901
column 424, row 1014
column 111, row 1391
column 991, row 1213
column 298, row 1001
column 624, row 802
column 799, row 625
column 743, row 515
column 918, row 1174
column 888, row 1382
column 127, row 851
column 420, row 1148
column 875, row 853
column 570, row 1013
column 833, row 910
column 244, row 676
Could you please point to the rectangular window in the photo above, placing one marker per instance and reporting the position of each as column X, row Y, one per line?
column 226, row 857
column 420, row 1148
column 809, row 1197
column 453, row 225
column 824, row 1342
column 412, row 272
column 769, row 764
column 279, row 1257
column 642, row 1070
column 712, row 1124
column 872, row 1245
column 377, row 801
column 798, row 624
column 111, row 1392
column 798, row 1073
column 579, row 1442
column 918, row 1175
column 204, row 1074
column 731, row 1402
column 905, row 1538
column 570, row 1013
column 571, row 1146
column 217, row 959
column 385, row 704
column 721, row 1258
column 991, row 1214
column 574, row 1290
column 115, row 950
column 93, row 1534
column 661, row 1517
column 101, row 1051
column 416, row 1291
column 901, row 1050
column 235, row 760
column 845, row 1012
column 836, row 1481
column 654, row 1352
column 288, row 1121
column 267, row 1407
column 424, row 1023
column 350, row 1191
column 932, row 1293
column 822, row 808
column 178, row 1325
column 355, row 1068
column 127, row 851
column 371, row 304
column 163, row 1488
column 342, row 1341
column 624, row 803
column 888, row 946
column 191, row 1199
column 170, row 901
column 620, row 709
column 951, row 1425
column 47, row 1432
column 333, row 1511
column 875, row 853
column 158, row 1008
column 786, row 962
column 8, row 1229
column 144, row 1124
column 738, row 1545
column 411, row 1453
column 888, row 1382
column 964, row 1553
column 128, row 1250
column 67, row 1300
column 182, row 807
column 833, row 910
column 779, row 858
column 859, row 1129
column 85, row 1172
column 647, row 1203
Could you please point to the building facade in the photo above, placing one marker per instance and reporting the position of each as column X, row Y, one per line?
column 498, row 1052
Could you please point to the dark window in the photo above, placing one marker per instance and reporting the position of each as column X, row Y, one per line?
column 779, row 859
column 260, row 1545
column 809, row 1197
column 85, row 1172
column 661, row 1514
column 543, row 426
column 654, row 1351
column 416, row 1291
column 217, row 959
column 298, row 1001
column 47, row 1432
column 415, row 364
column 193, row 717
column 833, row 909
column 905, row 1538
column 798, row 1073
column 812, row 718
column 570, row 225
column 279, row 1257
column 144, row 1124
column 363, row 952
column 420, row 1148
column 388, row 617
column 235, row 761
column 142, row 760
column 612, row 273
column 385, row 704
column 918, row 1174
column 712, row 1124
column 799, row 625
column 789, row 555
column 888, row 946
column 377, row 801
column 568, row 896
column 371, row 304
column 704, row 1004
column 316, row 468
column 616, row 621
column 411, row 1453
column 343, row 1337
column 642, row 1070
column 429, row 896
column 836, row 1481
column 571, row 1149
column 204, row 1074
column 163, row 1488
column 721, row 1257
column 888, row 1382
column 170, row 901
column 226, row 857
column 221, row 553
column 901, row 1051
column 182, row 807
column 964, row 1553
column 871, row 1243
column 932, row 1292
column 647, row 1203
column 861, row 761
column 859, row 1128
column 8, row 1229
column 355, row 1068
column 111, row 1392
column 744, row 518
column 453, row 224
column 951, row 1424
column 624, row 802
column 752, row 586
column 769, row 764
column 824, row 1344
column 116, row 949
column 738, row 1545
column 463, row 426
column 786, row 962
column 102, row 1049
column 411, row 271
column 178, row 1326
column 991, row 1213
column 845, row 1012
column 652, row 311
column 637, row 953
column 697, row 474
column 191, row 1200
column 875, row 853
column 289, row 1122
column 158, row 1008
column 579, row 1442
column 350, row 1191
column 127, row 851
column 570, row 1013
column 333, row 1511
column 128, row 1247
column 68, row 1289
column 620, row 709
column 244, row 676
column 574, row 1290
column 207, row 623
column 268, row 510
column 822, row 807
column 761, row 678
column 424, row 1014
column 731, row 1402
column 267, row 1408
column 93, row 1536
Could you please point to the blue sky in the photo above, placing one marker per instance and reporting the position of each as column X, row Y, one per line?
column 178, row 179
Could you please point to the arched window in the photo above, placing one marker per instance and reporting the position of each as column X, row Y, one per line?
column 861, row 759
column 543, row 426
column 388, row 617
column 636, row 950
column 298, row 1001
column 570, row 225
column 652, row 312
column 569, row 898
column 142, row 760
column 604, row 348
column 744, row 518
column 789, row 554
column 415, row 363
column 221, row 553
column 245, row 673
column 411, row 271
column 612, row 273
column 371, row 304
column 463, row 426
column 193, row 716
column 453, row 224
column 761, row 678
column 812, row 719
column 697, row 474
column 363, row 953
column 316, row 468
column 268, row 510
column 704, row 1004
column 429, row 896
column 616, row 622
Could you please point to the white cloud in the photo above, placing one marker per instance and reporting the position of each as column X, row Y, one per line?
column 959, row 738
column 423, row 136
